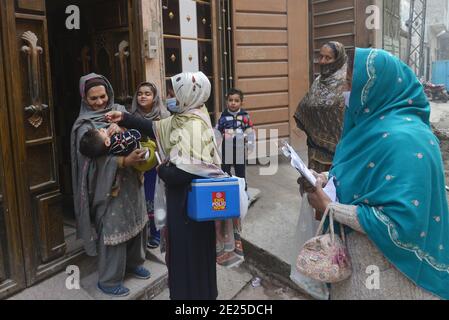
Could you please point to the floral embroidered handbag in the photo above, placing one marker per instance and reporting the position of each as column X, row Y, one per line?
column 325, row 258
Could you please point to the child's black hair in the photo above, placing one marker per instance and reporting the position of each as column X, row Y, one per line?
column 236, row 92
column 149, row 85
column 92, row 145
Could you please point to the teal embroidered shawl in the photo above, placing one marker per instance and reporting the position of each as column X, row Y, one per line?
column 389, row 164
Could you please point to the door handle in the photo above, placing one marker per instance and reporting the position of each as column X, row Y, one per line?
column 123, row 55
column 34, row 112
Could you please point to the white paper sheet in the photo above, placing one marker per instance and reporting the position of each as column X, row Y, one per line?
column 301, row 167
column 298, row 164
column 331, row 190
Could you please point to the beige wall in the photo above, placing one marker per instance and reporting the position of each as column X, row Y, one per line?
column 294, row 50
column 271, row 61
column 378, row 34
column 298, row 41
column 152, row 21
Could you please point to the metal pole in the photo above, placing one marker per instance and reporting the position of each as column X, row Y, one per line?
column 410, row 29
column 423, row 35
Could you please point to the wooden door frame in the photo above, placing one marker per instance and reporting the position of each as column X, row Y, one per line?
column 136, row 39
column 311, row 42
column 21, row 222
column 363, row 38
column 13, row 93
column 14, row 255
column 217, row 65
column 34, row 270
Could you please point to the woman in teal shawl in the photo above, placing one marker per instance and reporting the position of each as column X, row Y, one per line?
column 390, row 182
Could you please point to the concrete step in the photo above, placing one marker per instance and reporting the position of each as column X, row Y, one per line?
column 270, row 226
column 263, row 261
column 236, row 284
column 55, row 287
column 254, row 195
column 263, row 264
column 230, row 283
column 269, row 289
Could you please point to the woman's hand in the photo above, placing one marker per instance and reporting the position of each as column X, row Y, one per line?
column 306, row 187
column 113, row 129
column 319, row 199
column 114, row 116
column 135, row 158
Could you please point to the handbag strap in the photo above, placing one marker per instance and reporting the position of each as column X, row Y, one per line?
column 343, row 234
column 330, row 212
column 323, row 220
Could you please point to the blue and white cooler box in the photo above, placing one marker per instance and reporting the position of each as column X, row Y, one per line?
column 214, row 199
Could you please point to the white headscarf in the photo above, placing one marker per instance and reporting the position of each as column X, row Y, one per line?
column 192, row 90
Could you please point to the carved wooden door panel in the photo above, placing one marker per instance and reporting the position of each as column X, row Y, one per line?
column 116, row 50
column 27, row 73
column 12, row 272
column 108, row 43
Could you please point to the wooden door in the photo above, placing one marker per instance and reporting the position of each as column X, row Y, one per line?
column 338, row 20
column 36, row 144
column 261, row 62
column 270, row 61
column 332, row 21
column 116, row 45
column 36, row 181
column 35, row 227
column 12, row 272
column 392, row 27
column 109, row 43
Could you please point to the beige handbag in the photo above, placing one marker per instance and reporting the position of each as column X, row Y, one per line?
column 325, row 258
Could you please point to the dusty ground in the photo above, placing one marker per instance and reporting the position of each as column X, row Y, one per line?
column 440, row 122
column 269, row 290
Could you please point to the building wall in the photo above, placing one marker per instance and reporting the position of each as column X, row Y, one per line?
column 271, row 57
column 437, row 21
column 299, row 65
column 270, row 52
column 392, row 26
column 437, row 12
column 152, row 22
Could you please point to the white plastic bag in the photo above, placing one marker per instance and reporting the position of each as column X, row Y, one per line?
column 244, row 201
column 306, row 230
column 160, row 205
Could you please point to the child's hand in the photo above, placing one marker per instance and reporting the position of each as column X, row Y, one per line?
column 114, row 116
column 113, row 129
column 135, row 158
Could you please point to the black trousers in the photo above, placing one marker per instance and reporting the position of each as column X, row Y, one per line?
column 234, row 155
column 240, row 169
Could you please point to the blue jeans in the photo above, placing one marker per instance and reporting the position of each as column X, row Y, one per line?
column 155, row 235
